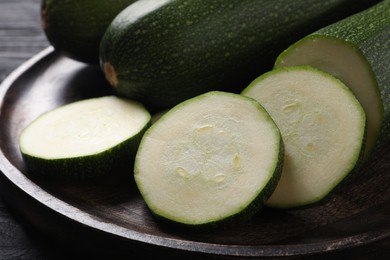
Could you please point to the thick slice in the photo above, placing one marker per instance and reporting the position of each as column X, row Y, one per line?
column 75, row 27
column 210, row 160
column 84, row 139
column 323, row 129
column 357, row 51
column 164, row 52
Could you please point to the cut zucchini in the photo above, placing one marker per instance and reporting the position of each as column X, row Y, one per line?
column 84, row 139
column 210, row 160
column 357, row 51
column 323, row 129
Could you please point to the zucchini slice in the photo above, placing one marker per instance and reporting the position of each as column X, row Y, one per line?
column 210, row 160
column 85, row 138
column 323, row 129
column 357, row 51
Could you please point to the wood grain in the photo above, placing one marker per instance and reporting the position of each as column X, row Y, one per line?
column 20, row 33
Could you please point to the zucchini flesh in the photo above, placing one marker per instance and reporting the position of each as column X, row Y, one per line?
column 323, row 129
column 210, row 160
column 84, row 138
column 357, row 51
column 163, row 52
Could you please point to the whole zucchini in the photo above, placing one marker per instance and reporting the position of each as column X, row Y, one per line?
column 75, row 27
column 163, row 52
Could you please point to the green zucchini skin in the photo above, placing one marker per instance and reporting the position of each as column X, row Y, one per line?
column 75, row 27
column 368, row 34
column 176, row 49
column 117, row 160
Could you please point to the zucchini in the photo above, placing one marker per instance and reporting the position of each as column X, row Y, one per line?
column 323, row 129
column 357, row 51
column 164, row 52
column 216, row 158
column 75, row 27
column 84, row 139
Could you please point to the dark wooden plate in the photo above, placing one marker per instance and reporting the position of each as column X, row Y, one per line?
column 107, row 215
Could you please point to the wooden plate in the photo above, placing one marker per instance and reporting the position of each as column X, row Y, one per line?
column 107, row 215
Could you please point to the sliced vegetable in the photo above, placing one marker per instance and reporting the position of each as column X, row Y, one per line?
column 209, row 161
column 323, row 129
column 357, row 51
column 84, row 139
column 164, row 52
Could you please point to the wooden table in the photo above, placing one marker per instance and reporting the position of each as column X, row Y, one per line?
column 20, row 38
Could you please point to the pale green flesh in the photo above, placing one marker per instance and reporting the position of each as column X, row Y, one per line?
column 208, row 159
column 347, row 63
column 322, row 127
column 83, row 128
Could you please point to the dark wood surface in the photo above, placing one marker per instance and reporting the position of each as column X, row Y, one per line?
column 351, row 216
column 20, row 38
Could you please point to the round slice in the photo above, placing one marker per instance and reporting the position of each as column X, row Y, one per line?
column 323, row 129
column 210, row 160
column 84, row 139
